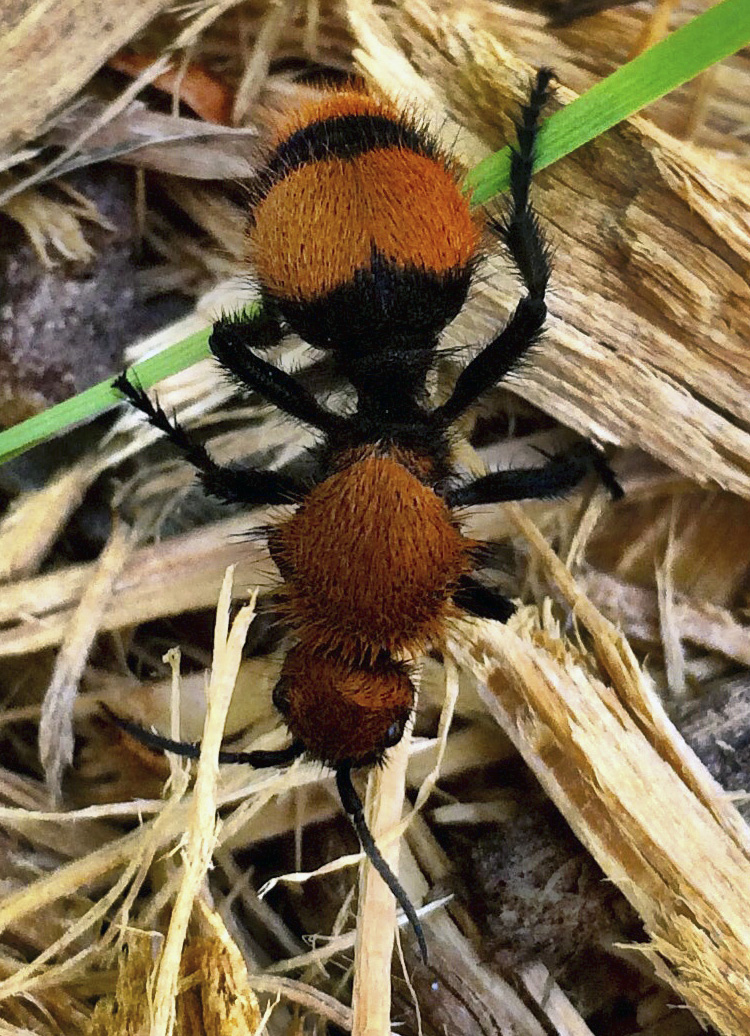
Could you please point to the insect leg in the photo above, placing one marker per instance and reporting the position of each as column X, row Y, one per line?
column 231, row 341
column 558, row 476
column 482, row 601
column 520, row 231
column 233, row 484
column 192, row 749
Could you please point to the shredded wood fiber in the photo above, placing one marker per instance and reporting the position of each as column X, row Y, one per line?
column 133, row 904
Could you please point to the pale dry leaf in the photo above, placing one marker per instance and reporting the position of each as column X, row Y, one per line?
column 49, row 52
column 56, row 722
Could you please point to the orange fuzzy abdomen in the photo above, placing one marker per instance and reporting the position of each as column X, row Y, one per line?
column 370, row 560
column 339, row 711
column 321, row 223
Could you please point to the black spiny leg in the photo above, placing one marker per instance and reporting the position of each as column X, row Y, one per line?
column 558, row 476
column 192, row 749
column 520, row 231
column 230, row 343
column 482, row 601
column 233, row 484
column 352, row 804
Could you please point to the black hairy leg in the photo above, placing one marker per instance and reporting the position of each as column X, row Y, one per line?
column 231, row 341
column 603, row 469
column 192, row 749
column 561, row 474
column 482, row 601
column 354, row 809
column 520, row 231
column 233, row 484
column 519, row 228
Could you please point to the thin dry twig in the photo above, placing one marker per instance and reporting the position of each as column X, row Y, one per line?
column 56, row 722
column 376, row 916
column 201, row 833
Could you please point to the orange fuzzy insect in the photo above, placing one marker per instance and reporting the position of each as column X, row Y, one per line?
column 365, row 246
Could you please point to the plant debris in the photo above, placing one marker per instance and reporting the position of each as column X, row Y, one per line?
column 144, row 893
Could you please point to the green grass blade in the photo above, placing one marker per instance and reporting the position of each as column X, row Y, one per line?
column 101, row 397
column 684, row 54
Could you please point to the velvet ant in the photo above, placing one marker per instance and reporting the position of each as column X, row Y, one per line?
column 365, row 246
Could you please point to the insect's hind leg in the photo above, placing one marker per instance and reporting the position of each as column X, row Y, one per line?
column 233, row 484
column 354, row 809
column 482, row 601
column 259, row 759
column 520, row 231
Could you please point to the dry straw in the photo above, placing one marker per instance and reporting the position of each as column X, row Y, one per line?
column 646, row 350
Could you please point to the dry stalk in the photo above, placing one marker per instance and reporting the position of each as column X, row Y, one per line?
column 635, row 610
column 202, row 825
column 88, row 870
column 182, row 574
column 56, row 724
column 256, row 67
column 33, row 90
column 31, row 527
column 306, row 996
column 561, row 1013
column 376, row 917
column 617, row 659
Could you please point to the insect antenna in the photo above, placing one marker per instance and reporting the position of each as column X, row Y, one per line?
column 354, row 809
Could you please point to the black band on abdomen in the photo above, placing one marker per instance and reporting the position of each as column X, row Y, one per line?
column 344, row 137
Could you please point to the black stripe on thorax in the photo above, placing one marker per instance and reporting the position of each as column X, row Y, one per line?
column 345, row 137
